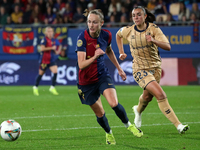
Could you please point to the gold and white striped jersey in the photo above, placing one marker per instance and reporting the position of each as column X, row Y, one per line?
column 145, row 54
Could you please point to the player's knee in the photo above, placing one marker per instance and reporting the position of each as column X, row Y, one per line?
column 147, row 98
column 161, row 96
column 100, row 115
column 113, row 104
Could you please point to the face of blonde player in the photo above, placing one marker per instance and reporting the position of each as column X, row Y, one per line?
column 49, row 33
column 138, row 17
column 94, row 24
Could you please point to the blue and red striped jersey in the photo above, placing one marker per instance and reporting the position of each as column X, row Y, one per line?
column 48, row 57
column 97, row 69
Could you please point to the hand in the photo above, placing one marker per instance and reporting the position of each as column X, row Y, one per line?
column 122, row 56
column 98, row 52
column 54, row 47
column 122, row 74
column 149, row 38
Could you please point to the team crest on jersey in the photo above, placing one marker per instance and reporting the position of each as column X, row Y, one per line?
column 97, row 46
column 79, row 43
column 133, row 37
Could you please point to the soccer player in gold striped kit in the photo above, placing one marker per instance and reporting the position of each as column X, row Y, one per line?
column 144, row 38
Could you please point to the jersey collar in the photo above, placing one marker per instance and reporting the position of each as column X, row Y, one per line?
column 141, row 30
column 91, row 36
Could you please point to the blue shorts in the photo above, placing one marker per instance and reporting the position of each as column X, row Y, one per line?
column 90, row 93
column 44, row 67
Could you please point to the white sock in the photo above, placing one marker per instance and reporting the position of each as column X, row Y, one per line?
column 110, row 132
column 35, row 87
column 179, row 126
column 52, row 87
column 127, row 124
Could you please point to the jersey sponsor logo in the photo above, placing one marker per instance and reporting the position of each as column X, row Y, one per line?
column 79, row 43
column 89, row 43
column 141, row 47
column 7, row 71
column 110, row 84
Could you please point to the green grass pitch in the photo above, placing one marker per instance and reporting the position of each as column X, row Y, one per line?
column 63, row 123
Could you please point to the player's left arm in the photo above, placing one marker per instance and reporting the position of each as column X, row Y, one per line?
column 159, row 39
column 112, row 57
column 58, row 51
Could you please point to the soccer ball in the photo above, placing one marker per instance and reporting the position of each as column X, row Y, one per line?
column 10, row 130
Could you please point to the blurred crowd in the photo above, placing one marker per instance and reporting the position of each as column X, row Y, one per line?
column 47, row 12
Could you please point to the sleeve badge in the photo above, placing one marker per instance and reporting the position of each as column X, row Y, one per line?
column 79, row 43
column 42, row 41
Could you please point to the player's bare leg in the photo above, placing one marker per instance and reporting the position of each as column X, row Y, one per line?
column 138, row 109
column 155, row 89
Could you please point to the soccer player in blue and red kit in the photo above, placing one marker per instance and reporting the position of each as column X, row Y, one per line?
column 93, row 76
column 50, row 49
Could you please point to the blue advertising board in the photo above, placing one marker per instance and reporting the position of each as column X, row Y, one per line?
column 24, row 72
column 184, row 43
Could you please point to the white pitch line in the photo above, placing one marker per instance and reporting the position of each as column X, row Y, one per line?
column 79, row 128
column 88, row 115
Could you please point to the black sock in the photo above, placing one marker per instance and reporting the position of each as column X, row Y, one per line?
column 103, row 122
column 37, row 80
column 54, row 79
column 121, row 113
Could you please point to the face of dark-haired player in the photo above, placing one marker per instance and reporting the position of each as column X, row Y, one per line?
column 138, row 16
column 94, row 24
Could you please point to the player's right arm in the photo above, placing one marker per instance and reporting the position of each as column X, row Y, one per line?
column 44, row 48
column 159, row 38
column 83, row 62
column 81, row 53
column 119, row 40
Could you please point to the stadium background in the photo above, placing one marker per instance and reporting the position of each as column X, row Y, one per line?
column 20, row 45
column 60, row 122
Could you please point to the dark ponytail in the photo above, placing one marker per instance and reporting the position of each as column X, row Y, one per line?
column 150, row 17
